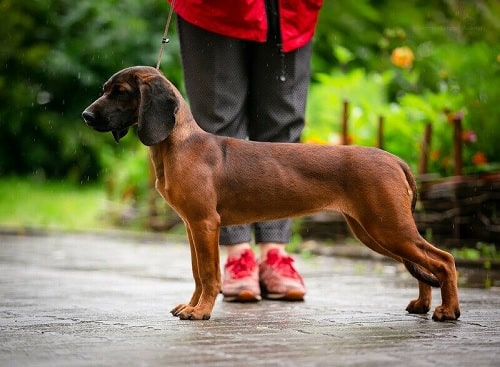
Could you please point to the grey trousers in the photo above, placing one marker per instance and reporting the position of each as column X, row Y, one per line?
column 246, row 90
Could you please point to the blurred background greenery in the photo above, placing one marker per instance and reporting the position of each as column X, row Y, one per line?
column 413, row 62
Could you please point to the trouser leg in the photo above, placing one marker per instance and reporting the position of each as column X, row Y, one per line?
column 235, row 89
column 277, row 111
column 216, row 79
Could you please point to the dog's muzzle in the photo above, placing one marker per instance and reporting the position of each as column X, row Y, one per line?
column 89, row 118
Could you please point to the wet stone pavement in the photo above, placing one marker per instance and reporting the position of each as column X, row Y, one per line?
column 104, row 300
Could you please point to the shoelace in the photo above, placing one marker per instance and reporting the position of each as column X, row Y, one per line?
column 242, row 266
column 283, row 264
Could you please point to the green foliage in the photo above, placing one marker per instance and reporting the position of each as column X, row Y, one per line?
column 366, row 94
column 35, row 203
column 482, row 251
column 126, row 173
column 404, row 121
column 456, row 67
column 55, row 56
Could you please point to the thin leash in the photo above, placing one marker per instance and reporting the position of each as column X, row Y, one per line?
column 165, row 39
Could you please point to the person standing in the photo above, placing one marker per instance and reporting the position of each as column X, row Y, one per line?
column 246, row 69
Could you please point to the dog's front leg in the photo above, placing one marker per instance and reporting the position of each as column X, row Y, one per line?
column 204, row 244
column 422, row 304
column 196, row 275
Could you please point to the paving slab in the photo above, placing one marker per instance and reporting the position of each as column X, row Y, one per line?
column 104, row 300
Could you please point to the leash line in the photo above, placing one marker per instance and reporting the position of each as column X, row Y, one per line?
column 165, row 39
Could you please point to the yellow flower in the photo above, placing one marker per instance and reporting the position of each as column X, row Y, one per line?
column 402, row 57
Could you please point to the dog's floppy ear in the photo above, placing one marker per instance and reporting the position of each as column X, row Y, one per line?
column 157, row 110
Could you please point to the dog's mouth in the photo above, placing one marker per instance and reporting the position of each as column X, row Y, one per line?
column 91, row 120
column 118, row 134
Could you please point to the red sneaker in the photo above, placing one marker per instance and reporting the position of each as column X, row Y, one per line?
column 279, row 279
column 241, row 279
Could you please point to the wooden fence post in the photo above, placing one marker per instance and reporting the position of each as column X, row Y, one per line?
column 457, row 143
column 345, row 120
column 380, row 135
column 423, row 166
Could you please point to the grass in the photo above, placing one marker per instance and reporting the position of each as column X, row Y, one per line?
column 41, row 204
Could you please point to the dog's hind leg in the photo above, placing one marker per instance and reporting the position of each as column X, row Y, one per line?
column 399, row 235
column 422, row 304
column 442, row 265
column 364, row 237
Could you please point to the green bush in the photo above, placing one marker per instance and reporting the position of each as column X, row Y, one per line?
column 454, row 68
column 404, row 119
column 55, row 56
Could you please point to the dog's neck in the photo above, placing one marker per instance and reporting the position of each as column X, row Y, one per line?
column 185, row 126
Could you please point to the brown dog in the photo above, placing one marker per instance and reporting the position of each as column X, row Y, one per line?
column 214, row 181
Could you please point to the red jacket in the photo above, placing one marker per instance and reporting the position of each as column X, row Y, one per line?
column 247, row 19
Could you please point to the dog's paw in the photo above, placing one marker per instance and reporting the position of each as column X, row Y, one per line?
column 177, row 309
column 187, row 312
column 418, row 306
column 443, row 313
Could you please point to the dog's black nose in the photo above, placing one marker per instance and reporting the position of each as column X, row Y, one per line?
column 89, row 117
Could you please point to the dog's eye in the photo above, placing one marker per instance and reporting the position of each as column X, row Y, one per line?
column 117, row 91
column 120, row 91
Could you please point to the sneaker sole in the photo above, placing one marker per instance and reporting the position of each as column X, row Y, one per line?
column 243, row 296
column 292, row 295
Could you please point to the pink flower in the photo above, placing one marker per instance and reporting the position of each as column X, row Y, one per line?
column 469, row 136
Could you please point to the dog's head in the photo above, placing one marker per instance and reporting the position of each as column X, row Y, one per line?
column 136, row 95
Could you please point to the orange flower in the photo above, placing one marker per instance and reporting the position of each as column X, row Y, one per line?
column 479, row 158
column 446, row 162
column 435, row 154
column 451, row 117
column 350, row 139
column 402, row 57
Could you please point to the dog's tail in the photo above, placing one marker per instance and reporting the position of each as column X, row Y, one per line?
column 411, row 181
column 421, row 274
